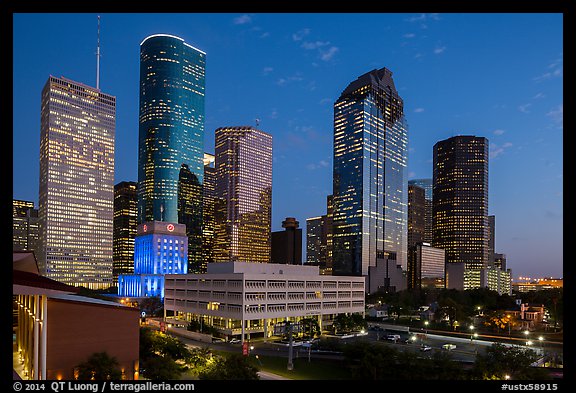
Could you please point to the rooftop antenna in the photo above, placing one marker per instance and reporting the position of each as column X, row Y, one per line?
column 98, row 57
column 257, row 122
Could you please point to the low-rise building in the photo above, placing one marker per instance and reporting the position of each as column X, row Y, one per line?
column 55, row 330
column 244, row 299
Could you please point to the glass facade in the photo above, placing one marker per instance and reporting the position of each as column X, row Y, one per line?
column 416, row 215
column 208, row 220
column 314, row 240
column 460, row 203
column 171, row 136
column 243, row 206
column 76, row 193
column 160, row 248
column 426, row 184
column 24, row 226
column 370, row 185
column 125, row 212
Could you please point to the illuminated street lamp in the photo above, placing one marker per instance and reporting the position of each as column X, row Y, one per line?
column 506, row 376
column 426, row 326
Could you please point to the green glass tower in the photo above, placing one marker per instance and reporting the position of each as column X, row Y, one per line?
column 171, row 136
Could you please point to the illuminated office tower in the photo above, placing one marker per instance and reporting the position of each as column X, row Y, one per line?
column 491, row 238
column 125, row 212
column 76, row 198
column 370, row 185
column 171, row 136
column 314, row 240
column 426, row 184
column 416, row 215
column 243, row 195
column 460, row 210
column 208, row 223
column 24, row 226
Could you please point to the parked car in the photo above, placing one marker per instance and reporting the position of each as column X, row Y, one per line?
column 393, row 337
column 235, row 341
column 425, row 348
column 449, row 347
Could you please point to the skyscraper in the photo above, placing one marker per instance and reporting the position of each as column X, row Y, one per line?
column 243, row 194
column 171, row 136
column 370, row 185
column 314, row 240
column 24, row 226
column 426, row 184
column 76, row 201
column 125, row 213
column 491, row 238
column 287, row 244
column 460, row 211
column 416, row 215
column 208, row 218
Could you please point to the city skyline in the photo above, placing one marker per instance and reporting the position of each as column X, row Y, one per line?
column 520, row 113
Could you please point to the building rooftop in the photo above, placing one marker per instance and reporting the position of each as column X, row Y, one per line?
column 262, row 268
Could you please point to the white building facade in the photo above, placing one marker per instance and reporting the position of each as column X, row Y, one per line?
column 244, row 299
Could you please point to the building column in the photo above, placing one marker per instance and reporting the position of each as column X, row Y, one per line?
column 44, row 338
column 243, row 330
column 265, row 329
column 36, row 318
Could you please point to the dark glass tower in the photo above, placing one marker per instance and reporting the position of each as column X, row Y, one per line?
column 426, row 184
column 208, row 217
column 171, row 136
column 416, row 214
column 125, row 212
column 460, row 210
column 370, row 184
column 287, row 245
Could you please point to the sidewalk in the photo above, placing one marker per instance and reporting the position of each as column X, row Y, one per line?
column 265, row 375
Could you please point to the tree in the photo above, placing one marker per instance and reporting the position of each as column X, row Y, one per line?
column 310, row 327
column 500, row 361
column 233, row 367
column 158, row 368
column 99, row 367
column 152, row 306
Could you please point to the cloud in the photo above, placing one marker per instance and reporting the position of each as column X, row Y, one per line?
column 321, row 164
column 439, row 50
column 267, row 70
column 242, row 20
column 423, row 18
column 329, row 54
column 498, row 132
column 274, row 114
column 496, row 150
column 524, row 108
column 419, row 110
column 409, row 35
column 539, row 95
column 555, row 69
column 324, row 101
column 265, row 34
column 314, row 45
column 418, row 55
column 557, row 115
column 300, row 34
column 294, row 78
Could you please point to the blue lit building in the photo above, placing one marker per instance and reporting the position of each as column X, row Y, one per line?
column 370, row 182
column 159, row 248
column 171, row 136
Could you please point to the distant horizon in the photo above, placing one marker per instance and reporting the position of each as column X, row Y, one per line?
column 285, row 71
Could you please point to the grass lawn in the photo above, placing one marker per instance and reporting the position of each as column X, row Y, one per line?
column 321, row 369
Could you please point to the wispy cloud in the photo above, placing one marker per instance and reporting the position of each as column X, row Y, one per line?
column 300, row 34
column 524, row 108
column 423, row 17
column 418, row 55
column 294, row 78
column 319, row 165
column 439, row 50
column 242, row 20
column 497, row 150
column 419, row 110
column 539, row 95
column 274, row 114
column 498, row 132
column 264, row 35
column 409, row 35
column 557, row 115
column 554, row 70
column 325, row 101
column 314, row 45
column 328, row 54
column 267, row 70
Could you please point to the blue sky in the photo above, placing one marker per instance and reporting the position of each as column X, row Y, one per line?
column 493, row 75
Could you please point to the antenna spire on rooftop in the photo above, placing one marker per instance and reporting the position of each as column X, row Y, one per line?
column 98, row 57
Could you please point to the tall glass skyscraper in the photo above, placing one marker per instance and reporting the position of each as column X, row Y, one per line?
column 125, row 212
column 426, row 184
column 24, row 226
column 208, row 218
column 76, row 201
column 171, row 136
column 370, row 184
column 243, row 206
column 460, row 212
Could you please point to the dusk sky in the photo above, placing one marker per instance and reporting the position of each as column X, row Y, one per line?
column 494, row 75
